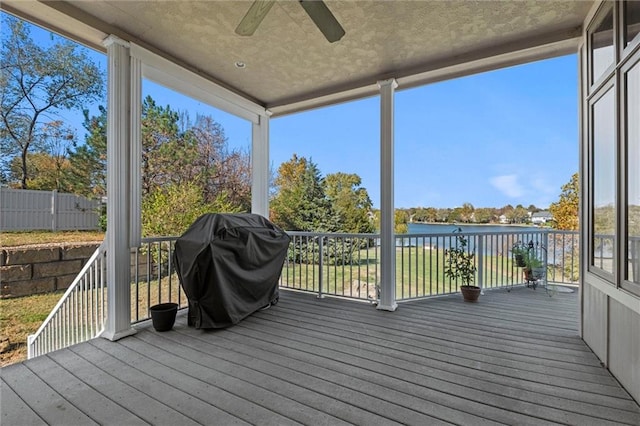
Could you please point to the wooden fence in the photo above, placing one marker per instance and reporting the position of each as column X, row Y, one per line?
column 29, row 210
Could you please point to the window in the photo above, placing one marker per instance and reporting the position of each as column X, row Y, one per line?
column 632, row 21
column 632, row 125
column 613, row 149
column 604, row 183
column 601, row 40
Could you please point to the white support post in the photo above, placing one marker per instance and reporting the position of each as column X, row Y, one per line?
column 387, row 232
column 260, row 166
column 118, row 180
column 135, row 153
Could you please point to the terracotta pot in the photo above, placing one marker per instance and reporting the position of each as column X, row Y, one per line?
column 163, row 316
column 470, row 293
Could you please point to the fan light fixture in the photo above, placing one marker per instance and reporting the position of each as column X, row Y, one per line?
column 316, row 9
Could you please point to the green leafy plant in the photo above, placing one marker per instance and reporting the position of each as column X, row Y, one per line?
column 520, row 252
column 532, row 261
column 460, row 262
column 525, row 256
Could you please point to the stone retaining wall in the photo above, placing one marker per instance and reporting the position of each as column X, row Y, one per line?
column 31, row 270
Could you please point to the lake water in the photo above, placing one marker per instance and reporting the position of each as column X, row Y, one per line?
column 446, row 228
column 490, row 243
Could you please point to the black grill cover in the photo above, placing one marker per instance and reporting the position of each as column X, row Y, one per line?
column 229, row 265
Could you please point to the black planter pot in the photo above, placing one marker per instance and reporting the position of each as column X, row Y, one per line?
column 470, row 293
column 163, row 316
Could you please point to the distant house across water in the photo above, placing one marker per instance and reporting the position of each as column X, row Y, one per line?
column 541, row 217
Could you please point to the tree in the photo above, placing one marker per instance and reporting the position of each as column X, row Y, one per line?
column 172, row 209
column 466, row 212
column 219, row 169
column 47, row 172
column 162, row 160
column 518, row 215
column 89, row 161
column 300, row 203
column 50, row 168
column 428, row 214
column 565, row 210
column 565, row 215
column 400, row 222
column 484, row 215
column 36, row 84
column 351, row 203
column 184, row 166
column 443, row 214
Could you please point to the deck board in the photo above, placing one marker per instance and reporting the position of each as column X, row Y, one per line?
column 13, row 407
column 513, row 358
column 48, row 404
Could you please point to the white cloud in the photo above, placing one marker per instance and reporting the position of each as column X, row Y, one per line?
column 508, row 185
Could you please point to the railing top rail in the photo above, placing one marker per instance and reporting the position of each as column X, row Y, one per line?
column 148, row 240
column 563, row 231
column 99, row 251
column 438, row 234
column 333, row 234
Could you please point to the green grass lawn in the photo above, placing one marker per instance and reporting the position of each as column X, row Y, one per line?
column 12, row 239
column 20, row 317
column 419, row 273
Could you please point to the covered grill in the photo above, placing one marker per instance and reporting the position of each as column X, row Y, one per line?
column 229, row 266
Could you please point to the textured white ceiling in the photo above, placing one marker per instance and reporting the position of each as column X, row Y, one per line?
column 288, row 59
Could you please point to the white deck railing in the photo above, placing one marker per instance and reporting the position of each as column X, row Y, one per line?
column 342, row 265
column 347, row 265
column 80, row 313
column 153, row 276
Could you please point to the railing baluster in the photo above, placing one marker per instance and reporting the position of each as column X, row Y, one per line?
column 480, row 261
column 159, row 271
column 169, row 272
column 320, row 266
column 148, row 276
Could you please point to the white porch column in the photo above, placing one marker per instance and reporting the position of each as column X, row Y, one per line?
column 387, row 235
column 118, row 180
column 260, row 166
column 135, row 153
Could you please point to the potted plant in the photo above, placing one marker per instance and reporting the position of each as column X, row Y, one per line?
column 533, row 267
column 460, row 266
column 520, row 252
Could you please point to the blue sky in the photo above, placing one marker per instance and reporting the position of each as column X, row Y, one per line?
column 504, row 137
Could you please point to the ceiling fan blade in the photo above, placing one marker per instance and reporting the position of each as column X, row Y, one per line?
column 324, row 19
column 254, row 16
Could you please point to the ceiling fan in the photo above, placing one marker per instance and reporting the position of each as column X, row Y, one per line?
column 316, row 9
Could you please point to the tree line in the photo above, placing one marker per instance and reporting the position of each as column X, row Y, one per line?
column 187, row 165
column 467, row 213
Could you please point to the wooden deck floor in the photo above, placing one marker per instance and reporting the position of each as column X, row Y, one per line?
column 513, row 358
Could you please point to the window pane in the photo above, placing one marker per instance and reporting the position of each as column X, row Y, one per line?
column 602, row 47
column 632, row 20
column 604, row 185
column 633, row 179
